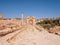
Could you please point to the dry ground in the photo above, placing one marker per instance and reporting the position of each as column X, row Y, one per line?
column 30, row 35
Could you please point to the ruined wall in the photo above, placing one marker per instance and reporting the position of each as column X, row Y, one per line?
column 31, row 20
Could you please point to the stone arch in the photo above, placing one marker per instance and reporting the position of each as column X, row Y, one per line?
column 31, row 20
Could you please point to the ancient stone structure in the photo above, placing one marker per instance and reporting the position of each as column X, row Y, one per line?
column 22, row 19
column 1, row 16
column 31, row 20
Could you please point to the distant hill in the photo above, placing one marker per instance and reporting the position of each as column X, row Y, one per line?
column 48, row 22
column 52, row 25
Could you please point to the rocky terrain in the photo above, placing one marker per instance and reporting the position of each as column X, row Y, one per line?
column 55, row 30
column 30, row 35
column 12, row 33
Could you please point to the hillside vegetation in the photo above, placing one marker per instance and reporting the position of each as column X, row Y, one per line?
column 47, row 24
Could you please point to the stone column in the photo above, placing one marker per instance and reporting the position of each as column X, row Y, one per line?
column 22, row 19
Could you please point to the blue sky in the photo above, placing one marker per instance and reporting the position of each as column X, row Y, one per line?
column 37, row 8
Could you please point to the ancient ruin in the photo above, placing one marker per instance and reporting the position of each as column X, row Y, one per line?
column 24, row 31
column 1, row 16
column 31, row 20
